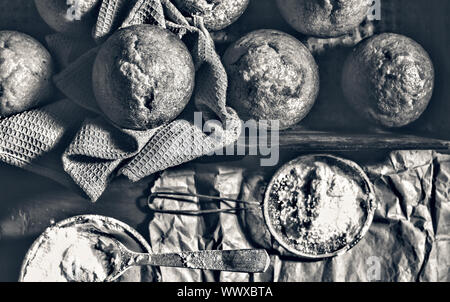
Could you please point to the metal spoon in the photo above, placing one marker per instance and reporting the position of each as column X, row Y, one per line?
column 244, row 261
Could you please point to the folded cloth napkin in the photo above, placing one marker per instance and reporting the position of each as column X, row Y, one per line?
column 34, row 140
column 100, row 150
column 65, row 49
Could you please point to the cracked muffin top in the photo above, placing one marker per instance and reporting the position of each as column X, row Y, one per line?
column 73, row 17
column 389, row 79
column 272, row 76
column 143, row 77
column 324, row 18
column 26, row 69
column 217, row 14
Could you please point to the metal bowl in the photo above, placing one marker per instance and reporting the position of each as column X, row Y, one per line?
column 349, row 167
column 115, row 227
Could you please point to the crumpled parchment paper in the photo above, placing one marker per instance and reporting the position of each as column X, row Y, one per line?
column 408, row 241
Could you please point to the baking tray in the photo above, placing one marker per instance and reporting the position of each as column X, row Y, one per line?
column 331, row 125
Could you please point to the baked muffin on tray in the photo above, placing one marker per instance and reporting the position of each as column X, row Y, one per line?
column 272, row 76
column 26, row 70
column 72, row 17
column 325, row 18
column 217, row 14
column 143, row 77
column 389, row 79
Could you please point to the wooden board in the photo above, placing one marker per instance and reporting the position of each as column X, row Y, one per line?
column 329, row 141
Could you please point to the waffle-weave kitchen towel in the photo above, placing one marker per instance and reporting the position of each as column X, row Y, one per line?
column 100, row 150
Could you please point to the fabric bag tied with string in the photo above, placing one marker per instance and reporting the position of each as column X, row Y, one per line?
column 100, row 150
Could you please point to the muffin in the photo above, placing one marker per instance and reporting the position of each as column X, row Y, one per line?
column 389, row 79
column 272, row 76
column 324, row 18
column 319, row 206
column 217, row 14
column 26, row 69
column 72, row 17
column 143, row 77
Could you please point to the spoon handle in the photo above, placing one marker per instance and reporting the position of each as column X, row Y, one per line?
column 245, row 261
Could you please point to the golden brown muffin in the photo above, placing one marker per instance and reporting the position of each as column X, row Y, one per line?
column 272, row 76
column 143, row 77
column 324, row 18
column 26, row 69
column 389, row 79
column 217, row 14
column 73, row 17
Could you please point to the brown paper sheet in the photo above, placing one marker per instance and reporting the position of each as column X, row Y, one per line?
column 408, row 240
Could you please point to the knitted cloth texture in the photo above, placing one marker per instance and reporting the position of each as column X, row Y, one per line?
column 99, row 150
